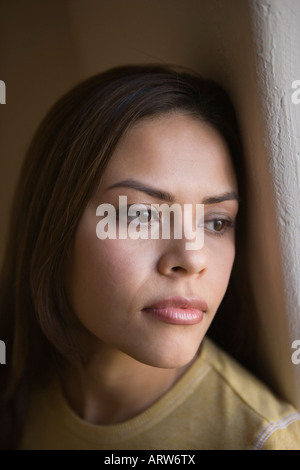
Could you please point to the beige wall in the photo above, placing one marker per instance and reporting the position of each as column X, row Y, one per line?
column 47, row 47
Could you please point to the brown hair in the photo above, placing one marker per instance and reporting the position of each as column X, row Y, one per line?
column 61, row 170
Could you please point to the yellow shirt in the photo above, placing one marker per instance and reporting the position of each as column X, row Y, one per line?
column 216, row 404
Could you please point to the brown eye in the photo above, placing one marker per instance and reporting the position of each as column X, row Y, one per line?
column 218, row 226
column 144, row 216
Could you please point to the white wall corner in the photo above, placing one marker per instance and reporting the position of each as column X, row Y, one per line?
column 276, row 32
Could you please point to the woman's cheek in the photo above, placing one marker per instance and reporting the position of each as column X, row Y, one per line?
column 220, row 262
column 116, row 268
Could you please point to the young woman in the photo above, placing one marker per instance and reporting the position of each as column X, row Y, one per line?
column 105, row 335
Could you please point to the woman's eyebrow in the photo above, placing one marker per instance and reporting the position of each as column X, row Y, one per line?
column 155, row 193
column 168, row 197
column 227, row 196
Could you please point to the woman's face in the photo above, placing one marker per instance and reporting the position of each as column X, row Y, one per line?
column 132, row 295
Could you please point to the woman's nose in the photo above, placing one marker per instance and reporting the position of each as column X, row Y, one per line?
column 178, row 260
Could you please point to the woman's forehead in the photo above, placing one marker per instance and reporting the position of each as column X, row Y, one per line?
column 177, row 151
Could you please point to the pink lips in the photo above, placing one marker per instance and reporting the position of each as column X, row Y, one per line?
column 178, row 310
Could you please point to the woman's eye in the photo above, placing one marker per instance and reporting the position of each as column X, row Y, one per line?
column 143, row 216
column 219, row 226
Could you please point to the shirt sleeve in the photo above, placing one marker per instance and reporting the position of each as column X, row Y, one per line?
column 283, row 434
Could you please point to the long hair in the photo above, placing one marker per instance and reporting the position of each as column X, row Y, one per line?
column 61, row 171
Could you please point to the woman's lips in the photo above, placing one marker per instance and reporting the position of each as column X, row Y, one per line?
column 178, row 310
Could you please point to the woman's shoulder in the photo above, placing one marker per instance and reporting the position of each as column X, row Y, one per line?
column 217, row 404
column 275, row 423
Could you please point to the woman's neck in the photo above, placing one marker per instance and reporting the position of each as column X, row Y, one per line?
column 113, row 387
